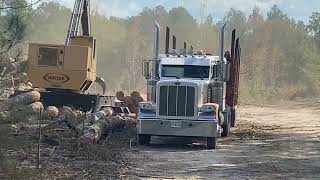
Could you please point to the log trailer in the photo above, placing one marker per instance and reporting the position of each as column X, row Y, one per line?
column 67, row 72
column 190, row 95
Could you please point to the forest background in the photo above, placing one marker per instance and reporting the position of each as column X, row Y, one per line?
column 280, row 56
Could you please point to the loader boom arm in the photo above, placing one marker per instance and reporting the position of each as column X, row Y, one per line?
column 80, row 15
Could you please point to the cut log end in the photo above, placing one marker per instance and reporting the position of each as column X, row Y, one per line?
column 51, row 112
column 120, row 95
column 36, row 107
column 67, row 114
column 135, row 94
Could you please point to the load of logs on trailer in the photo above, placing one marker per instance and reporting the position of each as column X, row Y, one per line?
column 25, row 115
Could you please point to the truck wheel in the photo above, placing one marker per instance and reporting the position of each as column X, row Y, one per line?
column 212, row 142
column 226, row 129
column 144, row 139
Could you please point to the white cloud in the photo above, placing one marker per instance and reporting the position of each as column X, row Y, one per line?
column 116, row 8
column 67, row 3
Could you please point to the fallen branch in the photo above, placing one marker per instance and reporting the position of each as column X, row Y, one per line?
column 50, row 155
column 21, row 113
column 39, row 142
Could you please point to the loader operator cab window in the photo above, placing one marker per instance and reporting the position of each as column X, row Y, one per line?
column 48, row 56
column 185, row 71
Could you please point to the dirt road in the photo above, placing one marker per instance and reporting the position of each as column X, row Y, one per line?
column 272, row 142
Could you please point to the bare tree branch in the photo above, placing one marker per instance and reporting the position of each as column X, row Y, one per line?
column 9, row 47
column 20, row 6
column 13, row 34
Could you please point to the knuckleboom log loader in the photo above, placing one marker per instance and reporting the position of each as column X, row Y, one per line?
column 67, row 72
column 191, row 95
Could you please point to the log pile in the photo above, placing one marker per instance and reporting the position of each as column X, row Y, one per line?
column 20, row 107
column 25, row 112
column 132, row 101
column 66, row 137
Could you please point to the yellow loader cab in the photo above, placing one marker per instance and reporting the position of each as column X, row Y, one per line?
column 67, row 67
column 66, row 72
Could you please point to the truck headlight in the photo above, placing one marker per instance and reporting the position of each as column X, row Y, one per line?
column 147, row 106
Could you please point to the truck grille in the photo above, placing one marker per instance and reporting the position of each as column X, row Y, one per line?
column 176, row 101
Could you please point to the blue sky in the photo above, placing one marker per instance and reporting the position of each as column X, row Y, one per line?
column 297, row 9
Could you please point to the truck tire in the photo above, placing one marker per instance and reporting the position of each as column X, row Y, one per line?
column 226, row 129
column 212, row 142
column 144, row 139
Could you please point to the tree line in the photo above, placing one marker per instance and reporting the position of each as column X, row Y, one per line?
column 280, row 56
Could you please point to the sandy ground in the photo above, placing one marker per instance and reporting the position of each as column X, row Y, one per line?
column 272, row 142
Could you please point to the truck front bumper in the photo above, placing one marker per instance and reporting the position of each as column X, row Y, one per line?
column 165, row 127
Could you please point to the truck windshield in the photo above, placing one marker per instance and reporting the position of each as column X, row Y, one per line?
column 185, row 71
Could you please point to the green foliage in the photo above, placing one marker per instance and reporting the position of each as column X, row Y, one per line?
column 14, row 16
column 276, row 13
column 314, row 26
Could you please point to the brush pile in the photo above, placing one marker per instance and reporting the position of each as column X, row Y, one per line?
column 25, row 114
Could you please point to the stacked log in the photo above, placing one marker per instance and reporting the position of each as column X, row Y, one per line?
column 101, row 127
column 120, row 95
column 70, row 116
column 136, row 100
column 20, row 100
column 132, row 101
column 21, row 107
column 51, row 112
column 74, row 123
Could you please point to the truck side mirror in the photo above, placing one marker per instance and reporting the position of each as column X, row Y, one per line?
column 146, row 69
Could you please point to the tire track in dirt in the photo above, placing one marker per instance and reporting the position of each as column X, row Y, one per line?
column 273, row 142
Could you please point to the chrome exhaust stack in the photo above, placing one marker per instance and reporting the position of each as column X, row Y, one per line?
column 154, row 67
column 221, row 43
column 218, row 82
column 174, row 42
column 157, row 40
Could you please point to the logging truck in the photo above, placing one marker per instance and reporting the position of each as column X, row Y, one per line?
column 190, row 94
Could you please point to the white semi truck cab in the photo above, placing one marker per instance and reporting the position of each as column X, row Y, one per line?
column 188, row 93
